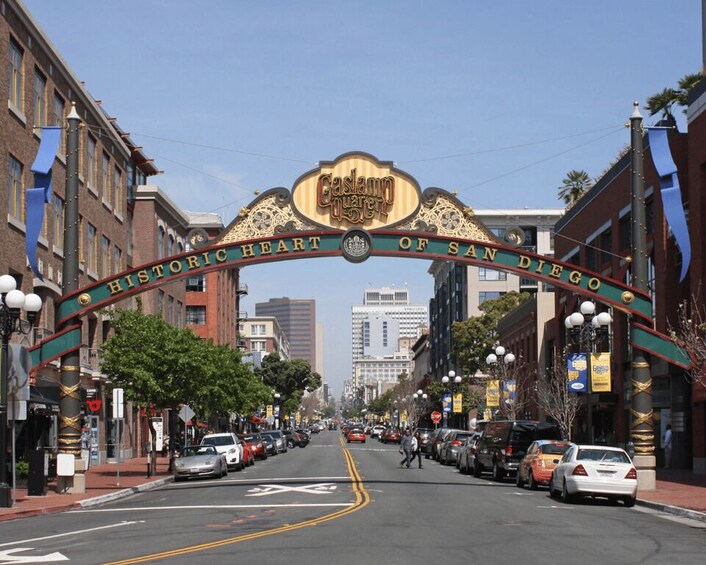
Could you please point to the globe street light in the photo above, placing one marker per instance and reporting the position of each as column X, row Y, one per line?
column 587, row 330
column 276, row 410
column 499, row 362
column 419, row 400
column 12, row 301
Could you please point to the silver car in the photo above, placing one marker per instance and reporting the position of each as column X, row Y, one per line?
column 199, row 461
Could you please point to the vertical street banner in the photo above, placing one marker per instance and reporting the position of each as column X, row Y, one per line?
column 268, row 411
column 600, row 372
column 446, row 402
column 577, row 372
column 492, row 393
column 509, row 389
column 458, row 403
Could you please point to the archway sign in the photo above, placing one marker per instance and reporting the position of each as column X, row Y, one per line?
column 356, row 207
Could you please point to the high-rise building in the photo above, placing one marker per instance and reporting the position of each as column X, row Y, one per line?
column 297, row 318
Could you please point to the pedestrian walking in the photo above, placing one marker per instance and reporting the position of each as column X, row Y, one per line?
column 406, row 448
column 416, row 448
column 668, row 447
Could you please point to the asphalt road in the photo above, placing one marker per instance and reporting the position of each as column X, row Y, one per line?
column 342, row 504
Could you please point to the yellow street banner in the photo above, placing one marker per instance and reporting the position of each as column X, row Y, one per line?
column 487, row 414
column 403, row 416
column 492, row 393
column 458, row 403
column 600, row 372
column 269, row 410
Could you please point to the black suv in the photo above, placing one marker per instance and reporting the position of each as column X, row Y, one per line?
column 504, row 443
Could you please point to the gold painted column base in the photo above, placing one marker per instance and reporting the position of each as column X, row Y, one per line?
column 646, row 474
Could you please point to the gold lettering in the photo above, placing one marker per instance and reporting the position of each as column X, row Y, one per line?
column 175, row 267
column 115, row 287
column 128, row 279
column 405, row 243
column 158, row 271
column 556, row 271
column 314, row 241
column 525, row 262
column 298, row 244
column 540, row 266
column 221, row 255
column 471, row 252
column 193, row 262
column 282, row 247
column 247, row 250
column 489, row 254
column 422, row 244
column 575, row 277
column 594, row 283
column 265, row 248
column 453, row 248
column 206, row 258
column 143, row 277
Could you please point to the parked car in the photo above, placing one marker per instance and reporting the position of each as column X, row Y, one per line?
column 595, row 470
column 424, row 435
column 199, row 461
column 392, row 435
column 467, row 454
column 280, row 440
column 356, row 434
column 228, row 444
column 451, row 445
column 504, row 443
column 536, row 467
column 270, row 444
column 436, row 440
column 376, row 431
column 294, row 439
column 255, row 443
column 248, row 455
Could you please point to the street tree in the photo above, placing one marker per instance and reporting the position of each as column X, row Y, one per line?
column 574, row 186
column 290, row 378
column 555, row 398
column 690, row 333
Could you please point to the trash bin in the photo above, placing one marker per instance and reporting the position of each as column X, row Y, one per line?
column 38, row 470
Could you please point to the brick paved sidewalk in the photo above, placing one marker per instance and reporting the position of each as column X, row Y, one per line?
column 678, row 492
column 104, row 482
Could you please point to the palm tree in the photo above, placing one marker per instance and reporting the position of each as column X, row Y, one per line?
column 663, row 102
column 686, row 83
column 574, row 186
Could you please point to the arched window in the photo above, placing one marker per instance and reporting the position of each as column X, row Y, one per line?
column 160, row 242
column 170, row 245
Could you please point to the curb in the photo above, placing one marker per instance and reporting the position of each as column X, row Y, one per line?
column 674, row 510
column 88, row 502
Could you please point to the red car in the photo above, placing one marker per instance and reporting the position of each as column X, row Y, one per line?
column 356, row 434
column 537, row 465
column 392, row 435
column 255, row 444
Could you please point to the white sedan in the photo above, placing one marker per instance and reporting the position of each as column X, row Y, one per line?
column 595, row 470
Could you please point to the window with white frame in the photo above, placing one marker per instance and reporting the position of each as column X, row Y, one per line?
column 258, row 345
column 196, row 315
column 40, row 99
column 92, row 248
column 117, row 188
column 117, row 259
column 105, row 257
column 485, row 274
column 91, row 162
column 15, row 76
column 105, row 178
column 14, row 189
column 58, row 221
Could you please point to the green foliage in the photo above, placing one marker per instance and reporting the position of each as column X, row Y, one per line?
column 574, row 186
column 289, row 378
column 474, row 338
column 665, row 100
column 22, row 469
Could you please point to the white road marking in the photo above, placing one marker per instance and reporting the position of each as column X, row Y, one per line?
column 89, row 530
column 8, row 557
column 213, row 507
column 320, row 488
column 278, row 479
column 555, row 507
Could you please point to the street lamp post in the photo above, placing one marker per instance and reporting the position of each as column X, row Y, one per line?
column 447, row 395
column 276, row 410
column 420, row 400
column 587, row 330
column 499, row 362
column 13, row 301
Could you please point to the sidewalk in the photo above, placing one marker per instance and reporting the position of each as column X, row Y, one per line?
column 101, row 486
column 678, row 492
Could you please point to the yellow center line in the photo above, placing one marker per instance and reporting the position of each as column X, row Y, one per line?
column 362, row 499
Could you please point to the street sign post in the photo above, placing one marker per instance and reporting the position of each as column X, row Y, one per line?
column 436, row 417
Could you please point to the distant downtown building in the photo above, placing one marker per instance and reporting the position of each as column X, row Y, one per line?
column 380, row 326
column 297, row 318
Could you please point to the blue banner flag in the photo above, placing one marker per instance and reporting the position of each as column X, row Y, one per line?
column 41, row 193
column 671, row 193
column 577, row 377
column 446, row 402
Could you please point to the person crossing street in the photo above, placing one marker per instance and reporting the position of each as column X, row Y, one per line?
column 406, row 448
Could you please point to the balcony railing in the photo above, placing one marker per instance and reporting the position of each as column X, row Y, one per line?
column 242, row 315
column 242, row 288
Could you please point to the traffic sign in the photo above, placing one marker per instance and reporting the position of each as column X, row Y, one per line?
column 186, row 413
column 436, row 417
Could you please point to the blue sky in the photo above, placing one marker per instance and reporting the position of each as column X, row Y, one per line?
column 496, row 100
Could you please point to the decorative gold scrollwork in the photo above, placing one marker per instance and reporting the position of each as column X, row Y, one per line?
column 627, row 297
column 84, row 299
column 70, row 391
column 641, row 418
column 639, row 387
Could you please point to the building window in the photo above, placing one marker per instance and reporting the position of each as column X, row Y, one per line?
column 179, row 308
column 170, row 310
column 14, row 188
column 196, row 284
column 488, row 295
column 258, row 329
column 58, row 235
column 170, row 245
column 196, row 315
column 15, row 75
column 117, row 259
column 105, row 179
column 92, row 249
column 160, row 302
column 258, row 345
column 91, row 162
column 40, row 99
column 491, row 275
column 57, row 119
column 105, row 256
column 117, row 187
column 160, row 242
